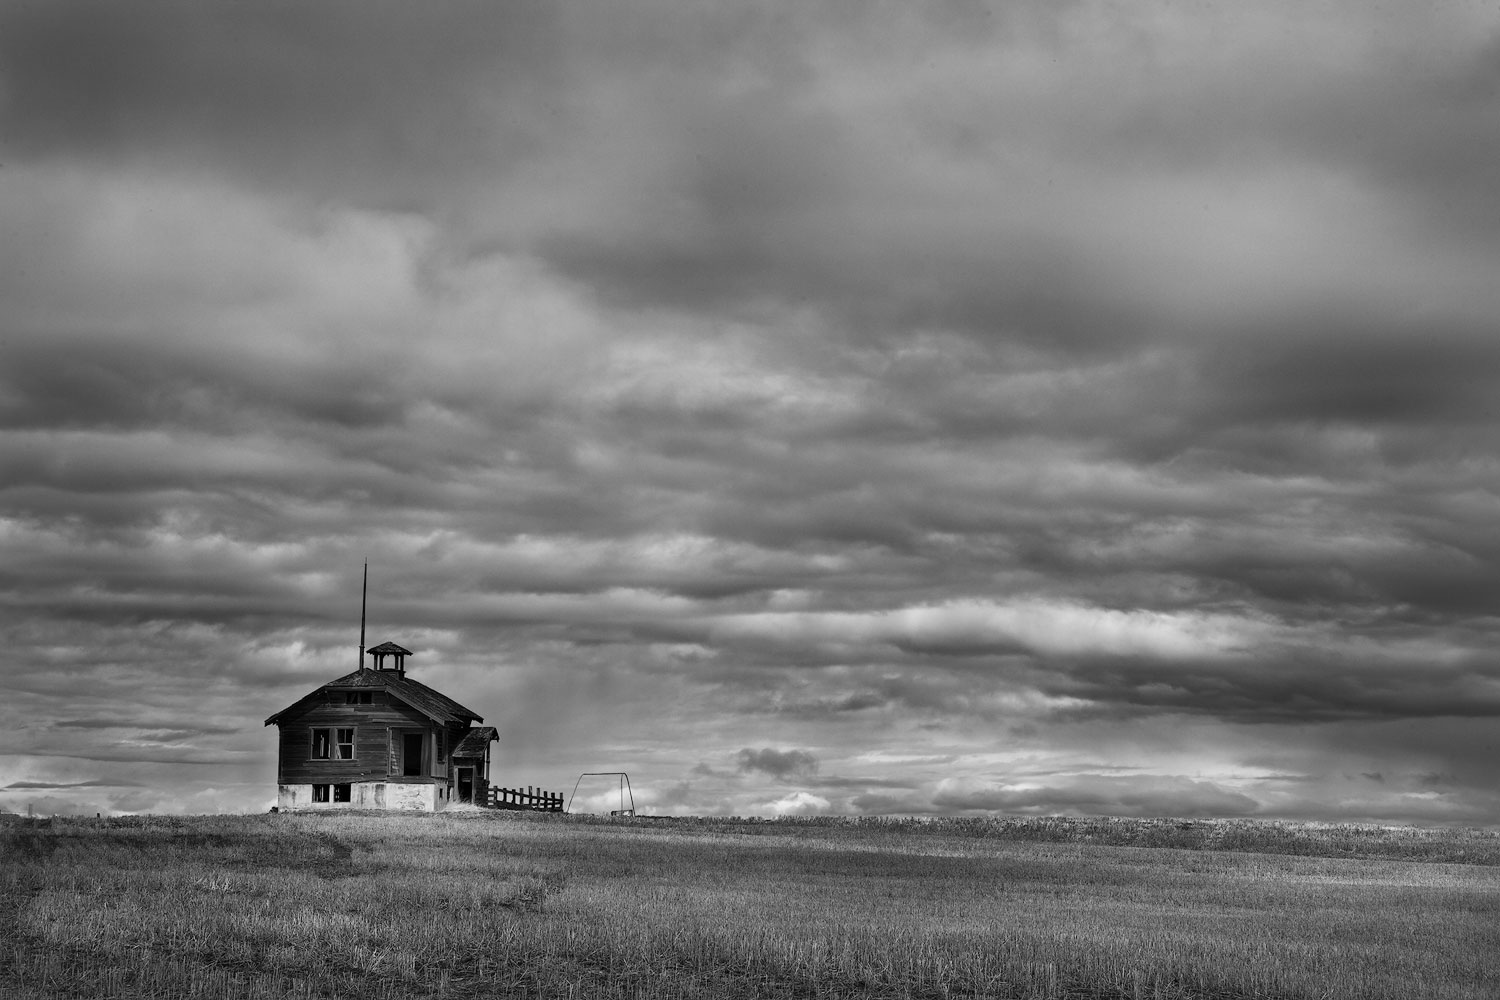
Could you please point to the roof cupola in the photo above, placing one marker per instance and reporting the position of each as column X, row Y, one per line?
column 380, row 652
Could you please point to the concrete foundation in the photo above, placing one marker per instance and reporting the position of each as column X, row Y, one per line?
column 402, row 795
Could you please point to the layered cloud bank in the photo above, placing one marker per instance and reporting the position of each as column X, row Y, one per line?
column 1034, row 408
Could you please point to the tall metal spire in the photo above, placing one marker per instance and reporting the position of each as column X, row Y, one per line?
column 364, row 588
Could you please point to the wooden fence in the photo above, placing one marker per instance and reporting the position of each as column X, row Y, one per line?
column 534, row 799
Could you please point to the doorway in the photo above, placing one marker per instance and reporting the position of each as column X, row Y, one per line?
column 411, row 753
column 466, row 784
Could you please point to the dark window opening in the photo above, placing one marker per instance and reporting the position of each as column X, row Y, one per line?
column 359, row 698
column 341, row 792
column 440, row 747
column 321, row 744
column 411, row 754
column 320, row 793
column 345, row 744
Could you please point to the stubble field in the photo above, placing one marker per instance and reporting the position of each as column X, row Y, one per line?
column 480, row 904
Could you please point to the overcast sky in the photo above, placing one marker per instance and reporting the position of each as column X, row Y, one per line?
column 854, row 407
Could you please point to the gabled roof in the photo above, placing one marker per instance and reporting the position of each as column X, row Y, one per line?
column 388, row 647
column 475, row 742
column 433, row 704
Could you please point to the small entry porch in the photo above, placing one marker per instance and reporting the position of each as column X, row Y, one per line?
column 471, row 766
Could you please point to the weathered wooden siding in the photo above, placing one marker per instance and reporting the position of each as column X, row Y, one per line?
column 376, row 753
column 451, row 735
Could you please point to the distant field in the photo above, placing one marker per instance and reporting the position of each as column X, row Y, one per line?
column 480, row 904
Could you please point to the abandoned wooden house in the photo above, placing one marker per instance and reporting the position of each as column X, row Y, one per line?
column 377, row 739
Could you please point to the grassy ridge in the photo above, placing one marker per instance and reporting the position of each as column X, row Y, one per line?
column 483, row 904
column 1327, row 840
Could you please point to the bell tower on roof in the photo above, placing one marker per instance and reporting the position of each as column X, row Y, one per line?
column 380, row 652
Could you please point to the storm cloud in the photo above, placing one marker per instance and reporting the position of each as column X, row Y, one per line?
column 1028, row 407
column 777, row 763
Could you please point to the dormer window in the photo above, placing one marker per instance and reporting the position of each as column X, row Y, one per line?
column 359, row 697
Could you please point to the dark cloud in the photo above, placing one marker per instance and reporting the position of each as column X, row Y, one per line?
column 1104, row 796
column 777, row 763
column 180, row 731
column 1311, row 687
column 293, row 95
column 149, row 755
column 28, row 785
column 1340, row 364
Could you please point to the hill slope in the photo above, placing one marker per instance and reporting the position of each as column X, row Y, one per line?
column 502, row 904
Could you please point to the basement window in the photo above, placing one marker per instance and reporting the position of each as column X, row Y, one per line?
column 341, row 792
column 322, row 744
column 345, row 744
column 320, row 793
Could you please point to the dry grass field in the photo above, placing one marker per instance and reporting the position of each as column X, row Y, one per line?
column 478, row 904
